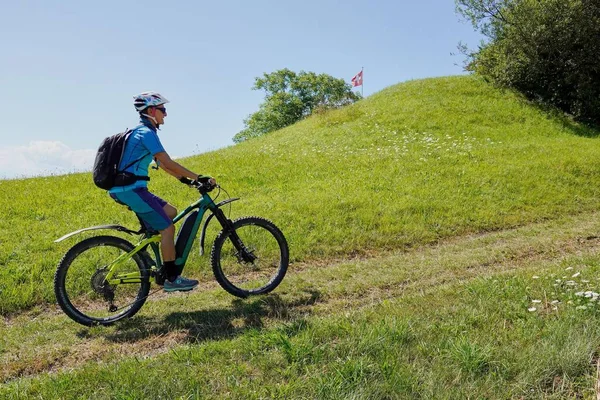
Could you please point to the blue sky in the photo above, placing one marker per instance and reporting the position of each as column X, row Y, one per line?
column 69, row 69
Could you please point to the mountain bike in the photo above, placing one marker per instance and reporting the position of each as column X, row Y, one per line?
column 103, row 279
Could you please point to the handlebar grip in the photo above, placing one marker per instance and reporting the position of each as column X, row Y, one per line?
column 204, row 186
column 186, row 181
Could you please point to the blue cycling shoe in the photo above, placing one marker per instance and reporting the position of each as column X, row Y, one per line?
column 180, row 284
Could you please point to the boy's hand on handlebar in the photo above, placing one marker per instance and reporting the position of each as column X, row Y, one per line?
column 202, row 180
column 205, row 179
column 186, row 181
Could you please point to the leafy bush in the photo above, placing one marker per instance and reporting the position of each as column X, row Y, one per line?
column 548, row 50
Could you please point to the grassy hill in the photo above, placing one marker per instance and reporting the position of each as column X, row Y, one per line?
column 444, row 237
column 412, row 164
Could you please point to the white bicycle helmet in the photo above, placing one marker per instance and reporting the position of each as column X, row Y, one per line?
column 148, row 99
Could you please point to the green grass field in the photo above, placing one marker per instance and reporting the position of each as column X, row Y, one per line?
column 424, row 223
column 446, row 321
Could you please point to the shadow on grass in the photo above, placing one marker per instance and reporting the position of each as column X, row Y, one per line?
column 213, row 324
column 578, row 129
column 582, row 129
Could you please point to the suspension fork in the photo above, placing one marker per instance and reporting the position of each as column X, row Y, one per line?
column 242, row 251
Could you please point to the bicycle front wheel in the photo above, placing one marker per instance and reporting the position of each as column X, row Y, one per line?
column 82, row 291
column 257, row 269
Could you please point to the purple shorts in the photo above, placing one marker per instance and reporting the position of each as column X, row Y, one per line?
column 146, row 205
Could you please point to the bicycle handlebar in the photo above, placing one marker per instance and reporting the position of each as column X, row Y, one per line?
column 203, row 186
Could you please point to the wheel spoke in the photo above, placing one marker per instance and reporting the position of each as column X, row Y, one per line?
column 80, row 282
column 269, row 249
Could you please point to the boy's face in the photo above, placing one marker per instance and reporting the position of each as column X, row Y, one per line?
column 158, row 113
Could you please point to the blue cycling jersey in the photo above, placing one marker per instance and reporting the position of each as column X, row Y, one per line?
column 143, row 142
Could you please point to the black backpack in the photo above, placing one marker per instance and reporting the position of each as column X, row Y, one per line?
column 106, row 173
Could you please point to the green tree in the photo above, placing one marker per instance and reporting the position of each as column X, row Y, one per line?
column 291, row 96
column 547, row 49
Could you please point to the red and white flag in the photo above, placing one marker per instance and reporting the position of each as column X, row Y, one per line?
column 358, row 79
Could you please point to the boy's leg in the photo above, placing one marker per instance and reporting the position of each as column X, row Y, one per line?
column 167, row 235
column 167, row 243
column 157, row 214
column 170, row 210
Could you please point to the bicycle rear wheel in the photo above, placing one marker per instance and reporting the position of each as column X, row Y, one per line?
column 264, row 264
column 80, row 287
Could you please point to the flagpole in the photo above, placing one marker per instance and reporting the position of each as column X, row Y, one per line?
column 362, row 87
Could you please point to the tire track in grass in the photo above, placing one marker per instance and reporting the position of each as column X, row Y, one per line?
column 39, row 341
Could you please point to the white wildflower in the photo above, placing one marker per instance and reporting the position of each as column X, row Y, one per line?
column 576, row 275
column 535, row 277
column 554, row 302
column 569, row 269
column 536, row 301
column 531, row 309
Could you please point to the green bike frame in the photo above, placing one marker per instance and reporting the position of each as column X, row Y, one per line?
column 152, row 240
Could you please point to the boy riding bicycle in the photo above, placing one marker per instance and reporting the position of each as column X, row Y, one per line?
column 143, row 145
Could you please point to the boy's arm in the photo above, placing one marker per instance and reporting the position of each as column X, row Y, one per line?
column 168, row 171
column 173, row 167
